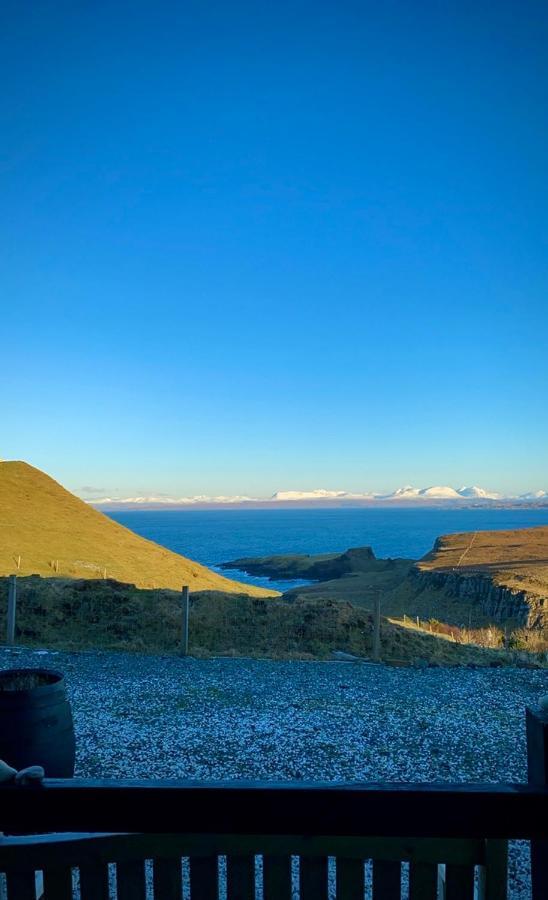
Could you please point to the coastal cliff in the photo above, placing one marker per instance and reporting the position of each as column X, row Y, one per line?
column 478, row 578
column 502, row 573
column 496, row 602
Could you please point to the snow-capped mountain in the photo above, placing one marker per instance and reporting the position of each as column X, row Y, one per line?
column 442, row 492
column 437, row 492
column 478, row 493
column 319, row 494
column 407, row 494
column 404, row 493
column 162, row 500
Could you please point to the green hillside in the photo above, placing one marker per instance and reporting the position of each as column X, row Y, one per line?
column 46, row 530
column 81, row 614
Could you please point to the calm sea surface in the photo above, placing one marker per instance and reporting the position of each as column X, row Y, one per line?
column 214, row 536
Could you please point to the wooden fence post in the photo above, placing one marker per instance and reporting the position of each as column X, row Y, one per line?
column 12, row 602
column 184, row 622
column 537, row 774
column 377, row 628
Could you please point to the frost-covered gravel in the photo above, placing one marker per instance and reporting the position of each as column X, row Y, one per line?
column 226, row 718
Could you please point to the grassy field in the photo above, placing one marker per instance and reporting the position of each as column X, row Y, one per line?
column 46, row 530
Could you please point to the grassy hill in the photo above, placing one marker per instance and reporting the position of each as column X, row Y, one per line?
column 46, row 530
column 517, row 559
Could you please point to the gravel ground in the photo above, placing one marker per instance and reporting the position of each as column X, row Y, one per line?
column 165, row 717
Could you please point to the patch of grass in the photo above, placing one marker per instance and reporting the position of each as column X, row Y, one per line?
column 182, row 704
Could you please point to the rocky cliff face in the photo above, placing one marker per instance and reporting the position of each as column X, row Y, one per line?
column 497, row 601
column 504, row 574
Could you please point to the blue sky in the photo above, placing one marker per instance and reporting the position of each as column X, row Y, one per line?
column 249, row 247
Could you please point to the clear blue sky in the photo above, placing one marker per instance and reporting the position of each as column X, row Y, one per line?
column 259, row 246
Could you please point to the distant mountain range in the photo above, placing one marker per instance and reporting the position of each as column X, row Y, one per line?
column 408, row 495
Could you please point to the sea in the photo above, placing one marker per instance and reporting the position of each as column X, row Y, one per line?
column 215, row 536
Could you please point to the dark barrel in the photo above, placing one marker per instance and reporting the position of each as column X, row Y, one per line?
column 36, row 721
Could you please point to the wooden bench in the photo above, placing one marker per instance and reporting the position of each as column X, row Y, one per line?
column 281, row 864
column 287, row 838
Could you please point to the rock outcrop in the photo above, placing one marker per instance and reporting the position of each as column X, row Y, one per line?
column 496, row 602
column 312, row 568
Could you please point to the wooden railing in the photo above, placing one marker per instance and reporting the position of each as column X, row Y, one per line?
column 253, row 860
column 275, row 841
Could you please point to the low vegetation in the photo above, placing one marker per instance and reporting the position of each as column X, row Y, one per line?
column 521, row 643
column 358, row 577
column 84, row 614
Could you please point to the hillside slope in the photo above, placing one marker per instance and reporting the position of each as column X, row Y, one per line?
column 86, row 614
column 56, row 534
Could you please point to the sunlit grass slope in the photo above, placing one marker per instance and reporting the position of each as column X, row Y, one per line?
column 46, row 530
column 517, row 559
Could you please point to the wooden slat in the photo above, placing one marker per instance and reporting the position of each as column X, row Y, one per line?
column 492, row 811
column 313, row 878
column 58, row 883
column 350, row 879
column 386, row 880
column 240, row 877
column 494, row 874
column 21, row 885
column 167, row 879
column 537, row 774
column 37, row 851
column 204, row 878
column 276, row 877
column 94, row 881
column 130, row 880
column 423, row 881
column 459, row 882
